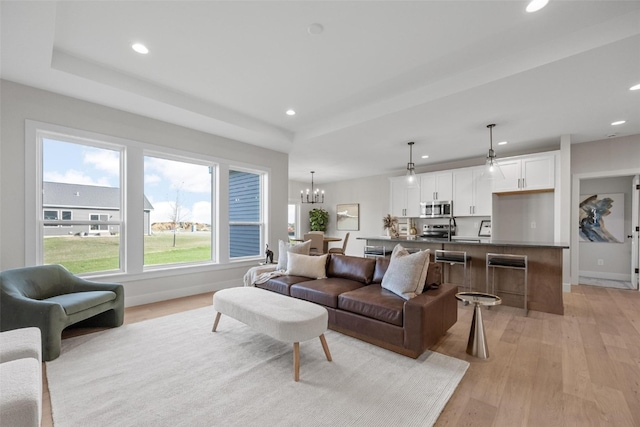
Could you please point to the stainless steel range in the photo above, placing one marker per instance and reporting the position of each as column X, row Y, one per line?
column 438, row 231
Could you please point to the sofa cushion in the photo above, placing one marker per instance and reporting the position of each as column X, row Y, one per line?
column 281, row 284
column 351, row 267
column 284, row 248
column 79, row 301
column 314, row 267
column 434, row 273
column 407, row 272
column 323, row 291
column 375, row 302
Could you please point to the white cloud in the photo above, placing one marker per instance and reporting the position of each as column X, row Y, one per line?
column 75, row 177
column 180, row 175
column 150, row 179
column 104, row 160
column 202, row 212
column 163, row 212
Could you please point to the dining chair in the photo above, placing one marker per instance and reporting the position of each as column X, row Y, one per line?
column 343, row 249
column 317, row 243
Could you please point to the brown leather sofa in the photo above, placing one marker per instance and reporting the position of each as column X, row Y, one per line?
column 358, row 305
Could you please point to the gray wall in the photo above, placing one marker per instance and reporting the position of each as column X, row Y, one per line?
column 616, row 257
column 19, row 103
column 590, row 162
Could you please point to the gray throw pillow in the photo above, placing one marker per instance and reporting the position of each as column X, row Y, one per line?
column 407, row 272
column 285, row 247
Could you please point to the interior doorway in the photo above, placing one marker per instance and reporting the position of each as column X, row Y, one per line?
column 610, row 205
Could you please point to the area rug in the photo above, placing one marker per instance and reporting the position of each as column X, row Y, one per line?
column 173, row 371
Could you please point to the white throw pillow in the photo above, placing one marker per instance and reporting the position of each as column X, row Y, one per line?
column 285, row 247
column 307, row 265
column 406, row 273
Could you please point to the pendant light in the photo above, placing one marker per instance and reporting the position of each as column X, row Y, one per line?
column 316, row 196
column 492, row 168
column 412, row 181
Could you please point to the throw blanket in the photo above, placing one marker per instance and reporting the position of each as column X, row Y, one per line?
column 261, row 274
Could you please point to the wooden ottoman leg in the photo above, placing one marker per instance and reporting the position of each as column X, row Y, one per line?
column 215, row 323
column 325, row 347
column 296, row 361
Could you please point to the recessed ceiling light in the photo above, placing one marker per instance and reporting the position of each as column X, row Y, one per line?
column 140, row 48
column 426, row 156
column 619, row 122
column 636, row 87
column 290, row 112
column 536, row 5
column 315, row 29
column 502, row 143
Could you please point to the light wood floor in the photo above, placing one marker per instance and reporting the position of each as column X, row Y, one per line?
column 580, row 369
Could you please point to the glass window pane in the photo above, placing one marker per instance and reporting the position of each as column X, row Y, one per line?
column 51, row 215
column 85, row 180
column 245, row 214
column 177, row 211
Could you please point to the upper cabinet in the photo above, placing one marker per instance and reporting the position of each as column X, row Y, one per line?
column 471, row 195
column 526, row 173
column 405, row 202
column 436, row 186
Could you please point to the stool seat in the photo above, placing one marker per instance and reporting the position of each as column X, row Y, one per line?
column 509, row 261
column 374, row 251
column 454, row 257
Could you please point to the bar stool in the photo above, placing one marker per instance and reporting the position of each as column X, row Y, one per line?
column 371, row 251
column 515, row 262
column 451, row 258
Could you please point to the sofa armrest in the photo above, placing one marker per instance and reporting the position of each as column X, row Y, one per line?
column 428, row 316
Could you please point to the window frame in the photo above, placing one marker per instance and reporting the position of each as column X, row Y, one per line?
column 132, row 185
column 261, row 223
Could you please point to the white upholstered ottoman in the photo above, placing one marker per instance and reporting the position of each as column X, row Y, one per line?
column 283, row 318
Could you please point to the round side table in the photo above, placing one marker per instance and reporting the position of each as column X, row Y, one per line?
column 477, row 345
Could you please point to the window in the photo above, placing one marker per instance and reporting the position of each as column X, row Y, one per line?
column 81, row 176
column 292, row 221
column 79, row 215
column 245, row 214
column 97, row 218
column 178, row 197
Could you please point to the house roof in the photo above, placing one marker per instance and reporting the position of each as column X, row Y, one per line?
column 83, row 196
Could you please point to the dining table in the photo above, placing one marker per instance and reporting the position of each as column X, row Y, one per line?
column 325, row 242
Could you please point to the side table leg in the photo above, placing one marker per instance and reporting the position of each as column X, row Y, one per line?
column 296, row 361
column 215, row 323
column 325, row 347
column 477, row 345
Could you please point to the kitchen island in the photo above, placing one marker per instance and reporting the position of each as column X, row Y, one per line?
column 544, row 265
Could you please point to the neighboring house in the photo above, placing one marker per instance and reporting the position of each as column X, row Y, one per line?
column 76, row 202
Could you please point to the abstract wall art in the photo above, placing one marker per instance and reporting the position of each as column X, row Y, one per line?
column 348, row 216
column 601, row 218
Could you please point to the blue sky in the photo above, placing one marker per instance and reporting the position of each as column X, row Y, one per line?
column 165, row 180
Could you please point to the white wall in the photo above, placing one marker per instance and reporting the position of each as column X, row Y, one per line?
column 19, row 103
column 524, row 217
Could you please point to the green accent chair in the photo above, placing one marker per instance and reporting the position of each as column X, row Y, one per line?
column 50, row 298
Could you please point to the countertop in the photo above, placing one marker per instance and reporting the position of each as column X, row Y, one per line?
column 486, row 242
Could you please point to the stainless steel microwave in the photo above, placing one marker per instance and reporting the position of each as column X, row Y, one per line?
column 436, row 209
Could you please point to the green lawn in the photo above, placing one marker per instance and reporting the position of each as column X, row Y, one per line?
column 87, row 254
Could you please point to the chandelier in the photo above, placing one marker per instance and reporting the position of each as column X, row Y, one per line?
column 315, row 196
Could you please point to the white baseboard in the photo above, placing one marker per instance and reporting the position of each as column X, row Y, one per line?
column 604, row 275
column 180, row 292
column 566, row 287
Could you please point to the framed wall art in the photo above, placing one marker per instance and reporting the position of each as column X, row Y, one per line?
column 601, row 218
column 348, row 217
column 485, row 228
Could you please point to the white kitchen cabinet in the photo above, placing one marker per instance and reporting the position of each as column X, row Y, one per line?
column 526, row 173
column 436, row 186
column 471, row 195
column 405, row 202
